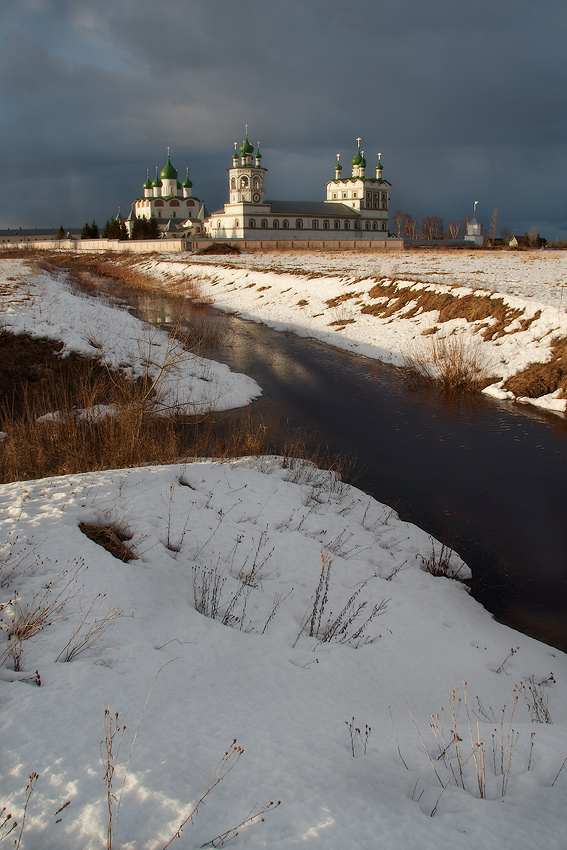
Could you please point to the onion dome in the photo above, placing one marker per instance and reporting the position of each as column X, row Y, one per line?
column 186, row 183
column 156, row 182
column 357, row 158
column 168, row 172
column 246, row 147
column 258, row 154
column 362, row 160
column 148, row 183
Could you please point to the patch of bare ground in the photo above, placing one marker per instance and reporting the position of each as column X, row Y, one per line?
column 540, row 379
column 113, row 538
column 339, row 299
column 408, row 301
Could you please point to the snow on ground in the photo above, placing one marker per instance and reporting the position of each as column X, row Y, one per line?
column 261, row 532
column 247, row 541
column 41, row 303
column 290, row 291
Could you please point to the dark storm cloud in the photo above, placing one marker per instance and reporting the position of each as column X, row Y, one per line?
column 465, row 101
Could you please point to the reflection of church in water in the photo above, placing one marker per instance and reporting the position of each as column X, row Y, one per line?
column 355, row 206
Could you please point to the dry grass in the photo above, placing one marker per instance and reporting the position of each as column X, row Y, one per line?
column 456, row 363
column 542, row 378
column 409, row 301
column 112, row 538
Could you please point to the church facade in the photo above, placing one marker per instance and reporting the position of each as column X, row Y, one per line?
column 171, row 203
column 354, row 207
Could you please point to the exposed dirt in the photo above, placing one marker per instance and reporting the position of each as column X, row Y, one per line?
column 408, row 301
column 542, row 378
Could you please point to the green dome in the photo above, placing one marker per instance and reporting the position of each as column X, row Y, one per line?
column 168, row 172
column 357, row 158
column 246, row 147
column 157, row 181
column 186, row 183
column 362, row 162
column 148, row 183
column 338, row 167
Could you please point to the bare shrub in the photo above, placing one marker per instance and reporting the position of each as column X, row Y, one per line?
column 536, row 699
column 208, row 584
column 439, row 563
column 346, row 626
column 89, row 634
column 463, row 759
column 456, row 363
column 22, row 620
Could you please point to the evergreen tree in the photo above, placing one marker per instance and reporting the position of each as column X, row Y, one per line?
column 115, row 230
column 86, row 231
column 61, row 233
column 95, row 234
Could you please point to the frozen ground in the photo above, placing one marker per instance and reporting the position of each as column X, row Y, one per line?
column 211, row 632
column 291, row 291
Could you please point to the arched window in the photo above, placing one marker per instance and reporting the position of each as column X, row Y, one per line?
column 264, row 222
column 190, row 203
column 383, row 225
column 233, row 183
column 237, row 223
column 174, row 203
column 337, row 224
column 244, row 182
column 257, row 183
column 276, row 224
column 347, row 225
column 298, row 223
column 159, row 203
column 218, row 225
column 326, row 224
column 357, row 225
column 375, row 225
column 252, row 222
column 315, row 224
column 285, row 224
column 367, row 226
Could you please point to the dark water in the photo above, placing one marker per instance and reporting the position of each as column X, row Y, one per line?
column 489, row 478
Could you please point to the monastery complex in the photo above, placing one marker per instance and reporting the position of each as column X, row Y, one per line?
column 355, row 206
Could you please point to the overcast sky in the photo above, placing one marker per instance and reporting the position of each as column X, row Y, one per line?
column 466, row 100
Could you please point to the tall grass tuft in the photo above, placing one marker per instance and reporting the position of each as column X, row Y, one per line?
column 456, row 363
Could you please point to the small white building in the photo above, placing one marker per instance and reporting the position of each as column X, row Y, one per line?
column 355, row 206
column 474, row 232
column 178, row 213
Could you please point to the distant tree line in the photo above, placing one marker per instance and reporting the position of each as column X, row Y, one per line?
column 115, row 228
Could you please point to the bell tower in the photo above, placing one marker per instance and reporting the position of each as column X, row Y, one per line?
column 246, row 178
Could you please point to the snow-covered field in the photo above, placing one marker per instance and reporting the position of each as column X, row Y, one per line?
column 247, row 542
column 291, row 292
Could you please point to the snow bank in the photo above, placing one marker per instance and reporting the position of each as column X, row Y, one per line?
column 263, row 533
column 42, row 305
column 292, row 291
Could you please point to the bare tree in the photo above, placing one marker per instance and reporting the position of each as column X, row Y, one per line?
column 454, row 229
column 493, row 225
column 409, row 227
column 436, row 227
column 398, row 219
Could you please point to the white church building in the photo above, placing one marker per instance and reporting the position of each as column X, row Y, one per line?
column 177, row 212
column 355, row 207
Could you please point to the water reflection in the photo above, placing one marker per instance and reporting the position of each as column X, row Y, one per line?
column 487, row 477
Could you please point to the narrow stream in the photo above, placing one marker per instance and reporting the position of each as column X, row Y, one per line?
column 488, row 478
